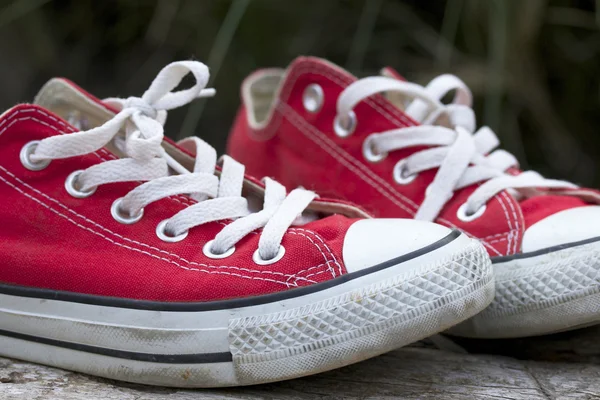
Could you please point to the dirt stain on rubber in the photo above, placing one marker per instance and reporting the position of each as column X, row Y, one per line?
column 186, row 374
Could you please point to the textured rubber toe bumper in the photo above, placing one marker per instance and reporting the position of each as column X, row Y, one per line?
column 365, row 322
column 256, row 340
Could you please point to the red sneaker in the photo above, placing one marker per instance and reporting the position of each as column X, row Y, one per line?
column 317, row 126
column 140, row 282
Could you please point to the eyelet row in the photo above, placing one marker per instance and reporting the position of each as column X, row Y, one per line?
column 208, row 252
column 124, row 218
column 343, row 126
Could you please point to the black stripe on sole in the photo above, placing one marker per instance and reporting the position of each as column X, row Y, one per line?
column 547, row 250
column 47, row 294
column 202, row 358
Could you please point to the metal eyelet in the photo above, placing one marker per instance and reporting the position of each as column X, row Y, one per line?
column 259, row 260
column 123, row 217
column 207, row 250
column 368, row 151
column 462, row 214
column 313, row 98
column 71, row 186
column 400, row 175
column 25, row 155
column 343, row 126
column 162, row 233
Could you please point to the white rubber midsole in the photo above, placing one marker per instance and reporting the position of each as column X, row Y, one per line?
column 256, row 336
column 547, row 293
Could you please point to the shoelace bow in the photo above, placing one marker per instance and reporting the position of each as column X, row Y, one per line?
column 146, row 160
column 464, row 156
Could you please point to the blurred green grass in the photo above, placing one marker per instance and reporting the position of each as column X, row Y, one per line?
column 533, row 65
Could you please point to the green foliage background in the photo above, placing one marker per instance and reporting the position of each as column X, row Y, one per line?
column 533, row 65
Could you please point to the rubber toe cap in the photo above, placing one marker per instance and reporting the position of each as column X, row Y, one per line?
column 564, row 227
column 373, row 241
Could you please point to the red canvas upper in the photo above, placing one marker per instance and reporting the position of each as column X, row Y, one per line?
column 298, row 147
column 51, row 240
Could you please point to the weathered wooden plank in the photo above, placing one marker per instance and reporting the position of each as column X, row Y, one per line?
column 412, row 373
column 581, row 345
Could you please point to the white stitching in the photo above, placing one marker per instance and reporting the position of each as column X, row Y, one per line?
column 13, row 119
column 316, row 273
column 335, row 260
column 322, row 253
column 125, row 238
column 141, row 251
column 383, row 108
column 510, row 228
column 305, row 128
column 517, row 226
column 496, row 235
column 511, row 246
column 451, row 225
column 311, row 268
column 290, row 114
column 328, row 269
column 340, row 82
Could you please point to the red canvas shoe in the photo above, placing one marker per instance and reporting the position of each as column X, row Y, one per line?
column 394, row 149
column 115, row 266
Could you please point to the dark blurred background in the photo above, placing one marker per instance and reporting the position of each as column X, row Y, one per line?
column 533, row 65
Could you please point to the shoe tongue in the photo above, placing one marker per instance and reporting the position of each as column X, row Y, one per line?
column 403, row 102
column 397, row 99
column 76, row 106
column 392, row 73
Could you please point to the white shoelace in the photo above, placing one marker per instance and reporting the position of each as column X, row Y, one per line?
column 146, row 160
column 464, row 157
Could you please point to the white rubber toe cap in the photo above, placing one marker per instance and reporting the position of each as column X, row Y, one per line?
column 373, row 241
column 563, row 227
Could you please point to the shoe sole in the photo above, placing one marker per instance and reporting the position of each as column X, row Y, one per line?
column 229, row 343
column 547, row 291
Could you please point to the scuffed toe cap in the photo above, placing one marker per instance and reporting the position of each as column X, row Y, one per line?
column 567, row 226
column 373, row 241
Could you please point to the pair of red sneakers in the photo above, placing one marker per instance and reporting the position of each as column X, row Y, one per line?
column 128, row 256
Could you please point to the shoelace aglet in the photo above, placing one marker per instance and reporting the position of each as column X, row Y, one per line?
column 208, row 92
